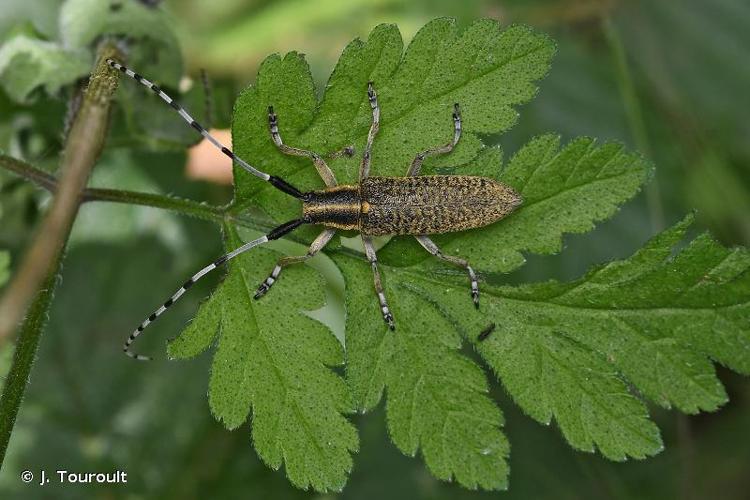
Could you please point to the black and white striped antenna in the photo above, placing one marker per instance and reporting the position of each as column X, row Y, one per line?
column 276, row 182
column 274, row 234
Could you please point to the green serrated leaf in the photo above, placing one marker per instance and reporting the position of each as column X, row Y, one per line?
column 437, row 398
column 274, row 359
column 27, row 63
column 567, row 350
column 286, row 84
column 573, row 352
column 564, row 191
column 487, row 69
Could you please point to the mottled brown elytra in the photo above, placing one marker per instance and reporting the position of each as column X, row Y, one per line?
column 411, row 205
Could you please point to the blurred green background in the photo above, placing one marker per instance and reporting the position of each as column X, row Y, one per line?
column 669, row 79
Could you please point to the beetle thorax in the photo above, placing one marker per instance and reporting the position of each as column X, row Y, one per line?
column 337, row 207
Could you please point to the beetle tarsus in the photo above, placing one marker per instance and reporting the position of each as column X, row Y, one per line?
column 388, row 317
column 262, row 290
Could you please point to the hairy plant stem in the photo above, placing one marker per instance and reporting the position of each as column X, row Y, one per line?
column 24, row 354
column 35, row 175
column 34, row 281
column 179, row 205
column 82, row 149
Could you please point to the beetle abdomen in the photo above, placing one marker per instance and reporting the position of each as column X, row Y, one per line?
column 432, row 204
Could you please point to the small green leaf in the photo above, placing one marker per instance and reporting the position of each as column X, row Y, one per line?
column 274, row 359
column 41, row 14
column 154, row 51
column 27, row 63
column 83, row 21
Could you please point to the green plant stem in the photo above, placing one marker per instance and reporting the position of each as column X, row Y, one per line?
column 24, row 354
column 183, row 206
column 180, row 205
column 634, row 115
column 35, row 175
column 82, row 148
column 31, row 289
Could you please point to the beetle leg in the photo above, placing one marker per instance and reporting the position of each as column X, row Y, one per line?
column 431, row 247
column 416, row 164
column 364, row 168
column 373, row 258
column 317, row 245
column 323, row 170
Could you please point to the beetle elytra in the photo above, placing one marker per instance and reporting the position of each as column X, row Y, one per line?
column 412, row 205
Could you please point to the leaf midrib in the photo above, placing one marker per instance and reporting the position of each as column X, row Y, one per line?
column 596, row 310
column 626, row 173
column 413, row 271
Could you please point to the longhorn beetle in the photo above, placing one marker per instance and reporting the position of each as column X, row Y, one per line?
column 412, row 205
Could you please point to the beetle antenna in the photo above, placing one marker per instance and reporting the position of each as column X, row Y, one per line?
column 277, row 182
column 273, row 235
